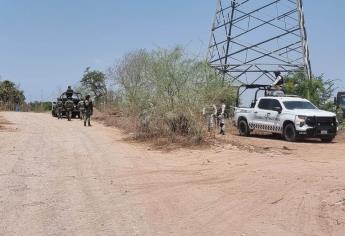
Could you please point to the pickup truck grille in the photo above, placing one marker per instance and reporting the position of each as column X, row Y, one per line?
column 321, row 121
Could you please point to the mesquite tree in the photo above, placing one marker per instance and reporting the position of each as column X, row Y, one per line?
column 93, row 82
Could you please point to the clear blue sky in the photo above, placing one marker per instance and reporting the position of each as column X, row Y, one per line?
column 46, row 44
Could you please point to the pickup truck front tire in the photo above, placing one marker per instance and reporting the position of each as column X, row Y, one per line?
column 243, row 128
column 290, row 133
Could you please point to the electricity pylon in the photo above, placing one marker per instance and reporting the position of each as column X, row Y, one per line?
column 252, row 39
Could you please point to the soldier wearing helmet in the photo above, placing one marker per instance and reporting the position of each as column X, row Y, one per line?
column 279, row 82
column 59, row 108
column 69, row 92
column 88, row 110
column 221, row 116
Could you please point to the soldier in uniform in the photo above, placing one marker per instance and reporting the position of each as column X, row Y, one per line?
column 276, row 88
column 210, row 113
column 81, row 109
column 69, row 107
column 221, row 117
column 88, row 110
column 59, row 107
column 69, row 92
column 279, row 82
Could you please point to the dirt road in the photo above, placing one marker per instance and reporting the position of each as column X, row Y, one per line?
column 59, row 178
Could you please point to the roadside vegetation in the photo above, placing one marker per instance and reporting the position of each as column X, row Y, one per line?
column 319, row 90
column 39, row 106
column 11, row 96
column 93, row 83
column 161, row 94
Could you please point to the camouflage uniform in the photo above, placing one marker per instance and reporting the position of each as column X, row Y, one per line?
column 279, row 82
column 69, row 106
column 221, row 118
column 88, row 111
column 210, row 113
column 81, row 109
column 69, row 92
column 59, row 107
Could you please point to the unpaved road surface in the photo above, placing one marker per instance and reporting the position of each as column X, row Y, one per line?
column 59, row 178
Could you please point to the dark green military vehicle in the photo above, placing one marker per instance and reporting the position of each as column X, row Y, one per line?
column 67, row 106
column 54, row 104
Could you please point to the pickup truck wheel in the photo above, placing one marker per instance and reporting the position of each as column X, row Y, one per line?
column 243, row 128
column 327, row 139
column 290, row 133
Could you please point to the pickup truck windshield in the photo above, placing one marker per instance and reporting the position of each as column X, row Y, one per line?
column 293, row 105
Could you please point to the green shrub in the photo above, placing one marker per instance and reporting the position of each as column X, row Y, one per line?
column 319, row 91
column 164, row 91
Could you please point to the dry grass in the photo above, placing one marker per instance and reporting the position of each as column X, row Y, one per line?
column 162, row 141
column 165, row 142
column 341, row 137
column 4, row 123
column 112, row 118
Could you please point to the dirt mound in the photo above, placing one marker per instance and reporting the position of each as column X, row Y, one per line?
column 4, row 124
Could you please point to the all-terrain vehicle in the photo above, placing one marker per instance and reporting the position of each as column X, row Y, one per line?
column 67, row 106
column 54, row 114
column 290, row 116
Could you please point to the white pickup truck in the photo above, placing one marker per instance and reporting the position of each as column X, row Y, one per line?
column 292, row 117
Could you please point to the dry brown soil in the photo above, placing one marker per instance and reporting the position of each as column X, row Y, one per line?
column 59, row 178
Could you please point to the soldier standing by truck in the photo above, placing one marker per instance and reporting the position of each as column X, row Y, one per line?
column 221, row 117
column 279, row 81
column 88, row 110
column 210, row 113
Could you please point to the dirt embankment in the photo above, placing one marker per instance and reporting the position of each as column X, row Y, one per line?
column 258, row 142
column 60, row 178
column 4, row 124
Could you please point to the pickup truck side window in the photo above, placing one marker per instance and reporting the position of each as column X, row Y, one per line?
column 265, row 104
column 275, row 103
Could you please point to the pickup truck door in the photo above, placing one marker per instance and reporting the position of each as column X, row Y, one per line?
column 273, row 116
column 261, row 113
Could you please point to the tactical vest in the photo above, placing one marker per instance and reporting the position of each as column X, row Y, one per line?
column 69, row 105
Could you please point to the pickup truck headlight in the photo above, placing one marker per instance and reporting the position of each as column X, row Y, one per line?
column 300, row 120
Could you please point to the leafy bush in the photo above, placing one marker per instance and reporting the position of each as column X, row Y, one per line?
column 164, row 91
column 93, row 83
column 10, row 92
column 10, row 95
column 39, row 106
column 319, row 91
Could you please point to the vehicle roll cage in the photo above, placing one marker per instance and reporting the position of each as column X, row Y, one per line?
column 259, row 87
column 63, row 96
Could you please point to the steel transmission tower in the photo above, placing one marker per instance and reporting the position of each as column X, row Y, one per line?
column 252, row 39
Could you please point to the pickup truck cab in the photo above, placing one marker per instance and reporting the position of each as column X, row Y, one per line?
column 292, row 117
